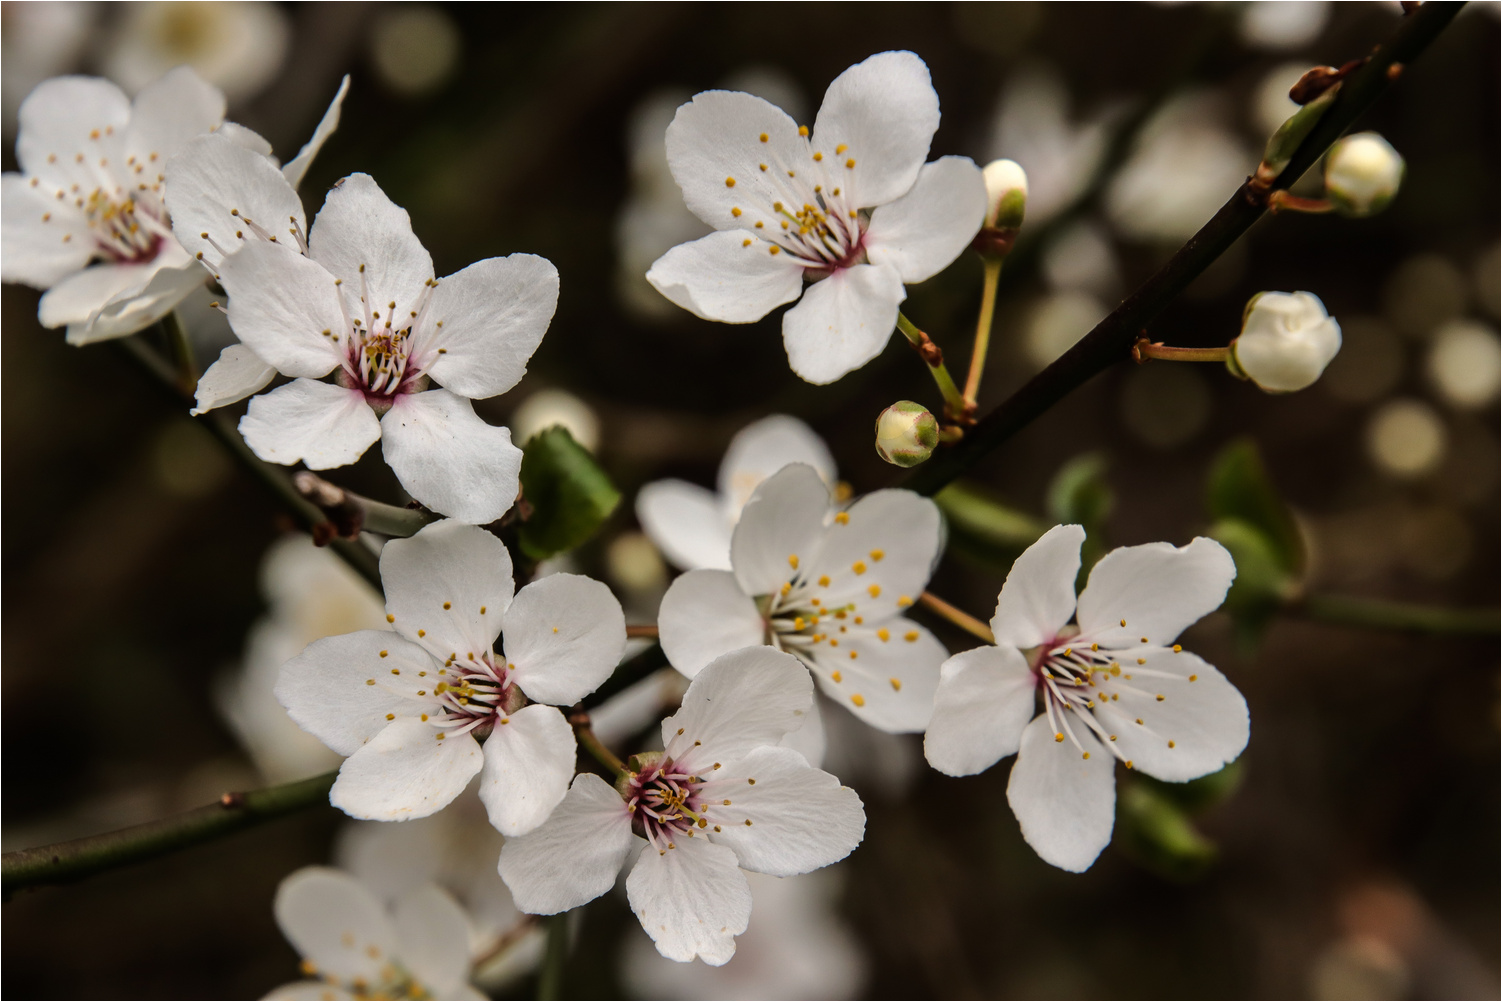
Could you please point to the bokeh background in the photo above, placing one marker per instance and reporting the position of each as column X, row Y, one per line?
column 1357, row 855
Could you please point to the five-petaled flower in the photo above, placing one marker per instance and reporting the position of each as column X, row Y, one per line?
column 1113, row 686
column 827, row 586
column 356, row 296
column 850, row 206
column 720, row 797
column 409, row 707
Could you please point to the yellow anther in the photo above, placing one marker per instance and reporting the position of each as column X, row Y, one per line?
column 1177, row 649
column 390, row 618
column 448, row 605
column 858, row 699
column 852, row 655
column 396, row 671
column 833, row 642
column 763, row 167
column 505, row 720
column 1193, row 678
column 896, row 684
column 555, row 629
column 441, row 735
column 1095, row 647
column 384, row 653
column 390, row 716
column 1087, row 754
column 750, row 781
column 775, row 248
column 760, row 224
column 422, row 633
column 858, row 567
column 482, row 610
column 735, row 212
column 824, row 581
column 1142, row 661
column 1144, row 640
column 730, row 182
column 793, row 561
column 878, row 554
column 1058, row 736
column 875, row 591
column 746, row 242
column 843, row 518
column 370, row 681
column 1113, row 737
column 840, row 149
column 903, row 602
column 859, row 620
column 787, row 586
column 764, row 137
column 1160, row 697
column 818, row 156
column 850, row 162
column 803, row 131
column 883, row 635
column 1139, row 720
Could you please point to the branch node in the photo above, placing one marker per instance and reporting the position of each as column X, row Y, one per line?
column 344, row 513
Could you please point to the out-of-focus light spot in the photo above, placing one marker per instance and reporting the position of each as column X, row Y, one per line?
column 1405, row 438
column 1034, row 128
column 37, row 41
column 546, row 408
column 1082, row 258
column 1165, row 404
column 1370, row 362
column 1271, row 105
column 1465, row 363
column 1359, row 967
column 415, row 49
column 1001, row 29
column 1283, row 24
column 634, row 564
column 1437, row 542
column 187, row 462
column 1489, row 281
column 1057, row 322
column 1424, row 292
column 238, row 47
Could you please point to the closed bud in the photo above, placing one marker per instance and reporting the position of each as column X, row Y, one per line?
column 1286, row 341
column 906, row 434
column 1006, row 194
column 1362, row 174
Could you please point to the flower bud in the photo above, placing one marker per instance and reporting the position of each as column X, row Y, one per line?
column 1362, row 174
column 1006, row 194
column 1286, row 341
column 906, row 434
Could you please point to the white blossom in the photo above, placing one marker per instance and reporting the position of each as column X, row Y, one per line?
column 356, row 297
column 828, row 586
column 721, row 797
column 1112, row 686
column 1363, row 173
column 1033, row 127
column 850, row 206
column 238, row 47
column 1286, row 340
column 409, row 707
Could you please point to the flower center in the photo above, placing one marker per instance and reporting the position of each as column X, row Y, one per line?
column 472, row 695
column 379, row 358
column 814, row 216
column 118, row 228
column 666, row 802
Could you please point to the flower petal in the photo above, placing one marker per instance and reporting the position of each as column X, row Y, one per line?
column 703, row 615
column 82, row 294
column 314, row 991
column 295, row 169
column 740, row 701
column 885, row 111
column 335, row 923
column 576, row 854
column 692, row 899
column 320, row 424
column 1193, row 721
column 785, row 817
column 432, row 933
column 731, row 276
column 286, row 308
column 764, row 447
column 529, row 760
column 215, row 186
column 170, row 279
column 67, row 116
column 364, row 238
column 448, row 588
column 986, row 697
column 168, row 112
column 843, row 322
column 564, row 636
column 41, row 241
column 487, row 320
column 1065, row 804
column 889, row 683
column 779, row 528
column 921, row 233
column 715, row 151
column 409, row 770
column 1158, row 589
column 343, row 689
column 686, row 522
column 449, row 459
column 879, row 558
column 1037, row 600
column 809, row 739
column 237, row 374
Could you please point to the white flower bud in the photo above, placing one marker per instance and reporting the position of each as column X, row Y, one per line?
column 1006, row 194
column 906, row 434
column 1286, row 341
column 1362, row 174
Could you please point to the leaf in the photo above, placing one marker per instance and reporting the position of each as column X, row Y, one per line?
column 1239, row 488
column 569, row 494
column 1159, row 835
column 1262, row 585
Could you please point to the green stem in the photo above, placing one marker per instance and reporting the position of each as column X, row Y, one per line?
column 585, row 734
column 1145, row 350
column 983, row 327
column 1383, row 614
column 934, row 359
column 957, row 616
column 68, row 861
column 550, row 983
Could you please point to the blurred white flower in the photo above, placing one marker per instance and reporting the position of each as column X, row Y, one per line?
column 1056, row 322
column 312, row 594
column 692, row 525
column 1286, row 340
column 1464, row 363
column 796, row 947
column 1405, row 438
column 236, row 46
column 1082, row 258
column 415, row 49
column 1362, row 174
column 37, row 41
column 418, row 949
column 1283, row 24
column 1033, row 127
column 546, row 408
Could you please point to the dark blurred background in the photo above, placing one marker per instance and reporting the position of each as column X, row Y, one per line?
column 1359, row 855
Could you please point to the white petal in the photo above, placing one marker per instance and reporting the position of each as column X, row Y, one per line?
column 340, row 689
column 286, row 308
column 879, row 559
column 215, row 185
column 314, row 991
column 250, row 139
column 320, row 424
column 576, row 854
column 451, row 582
column 761, row 449
column 1065, row 803
column 985, row 698
column 449, row 459
column 170, row 111
column 170, row 279
column 703, row 615
column 801, row 818
column 1205, row 720
column 406, row 771
column 715, row 138
column 686, row 522
column 731, row 276
column 885, row 111
column 335, row 923
column 237, row 374
column 843, row 322
column 780, row 527
column 359, row 226
column 32, row 248
column 295, row 169
column 79, row 296
column 1037, row 600
column 494, row 314
column 59, row 119
column 809, row 740
column 1159, row 590
column 564, row 636
column 921, row 233
column 740, row 701
column 890, row 683
column 432, row 933
column 529, row 760
column 692, row 899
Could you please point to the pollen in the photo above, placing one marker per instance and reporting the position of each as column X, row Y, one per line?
column 1142, row 661
column 803, row 131
column 750, row 781
column 1128, row 763
column 858, row 567
column 1123, row 622
column 787, row 586
column 1177, row 649
column 852, row 655
column 555, row 629
column 793, row 561
column 798, row 624
column 858, row 699
column 763, row 167
column 1058, row 737
column 903, row 602
column 764, row 137
column 875, row 591
column 896, row 684
column 840, row 149
column 384, row 653
column 883, row 635
column 878, row 554
column 818, row 156
column 482, row 610
column 735, row 212
column 759, row 225
column 370, row 681
column 746, row 242
column 1170, row 744
column 824, row 581
column 448, row 605
column 1193, row 678
column 396, row 671
column 1139, row 720
column 911, row 636
column 850, row 162
column 775, row 248
column 424, row 718
column 730, row 182
column 390, row 716
column 422, row 633
column 1160, row 697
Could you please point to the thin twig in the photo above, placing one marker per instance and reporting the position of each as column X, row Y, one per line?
column 644, row 630
column 584, row 733
column 550, row 983
column 991, row 276
column 958, row 617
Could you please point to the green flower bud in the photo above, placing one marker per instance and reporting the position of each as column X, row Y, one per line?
column 906, row 434
column 1006, row 194
column 1362, row 174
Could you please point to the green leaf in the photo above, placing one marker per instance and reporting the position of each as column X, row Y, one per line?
column 1201, row 794
column 1261, row 586
column 1158, row 834
column 1240, row 489
column 983, row 528
column 570, row 497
